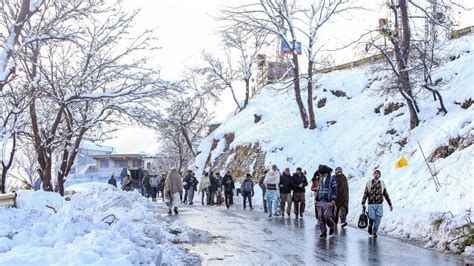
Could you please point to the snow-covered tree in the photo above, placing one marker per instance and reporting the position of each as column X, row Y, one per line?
column 317, row 15
column 248, row 44
column 15, row 15
column 184, row 122
column 277, row 17
column 87, row 85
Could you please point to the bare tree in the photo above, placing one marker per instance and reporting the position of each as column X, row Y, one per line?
column 86, row 84
column 275, row 17
column 220, row 74
column 318, row 13
column 248, row 44
column 183, row 127
column 399, row 35
column 439, row 16
column 13, row 123
column 14, row 17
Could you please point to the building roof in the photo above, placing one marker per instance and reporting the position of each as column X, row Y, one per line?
column 116, row 156
column 94, row 147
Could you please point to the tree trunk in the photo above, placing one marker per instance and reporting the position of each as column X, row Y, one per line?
column 296, row 83
column 247, row 92
column 436, row 93
column 312, row 120
column 188, row 141
column 6, row 167
column 402, row 52
column 46, row 173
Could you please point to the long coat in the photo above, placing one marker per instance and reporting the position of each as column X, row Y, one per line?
column 173, row 183
column 342, row 191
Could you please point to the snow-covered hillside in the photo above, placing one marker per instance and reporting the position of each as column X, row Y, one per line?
column 362, row 131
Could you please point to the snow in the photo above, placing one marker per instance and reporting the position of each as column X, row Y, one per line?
column 34, row 234
column 94, row 147
column 358, row 141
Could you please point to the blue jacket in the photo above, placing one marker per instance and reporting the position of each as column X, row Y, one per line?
column 328, row 189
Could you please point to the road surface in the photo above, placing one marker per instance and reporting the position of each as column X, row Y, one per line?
column 250, row 237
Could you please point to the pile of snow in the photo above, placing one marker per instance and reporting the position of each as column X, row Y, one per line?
column 352, row 135
column 99, row 225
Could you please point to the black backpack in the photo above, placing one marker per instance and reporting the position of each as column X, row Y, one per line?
column 363, row 220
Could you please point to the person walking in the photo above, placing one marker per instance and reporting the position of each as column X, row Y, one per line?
column 285, row 192
column 154, row 182
column 375, row 192
column 315, row 189
column 219, row 197
column 204, row 188
column 229, row 187
column 186, row 186
column 192, row 183
column 272, row 180
column 247, row 190
column 212, row 189
column 173, row 187
column 161, row 187
column 342, row 201
column 263, row 188
column 326, row 199
column 146, row 188
column 299, row 182
column 112, row 181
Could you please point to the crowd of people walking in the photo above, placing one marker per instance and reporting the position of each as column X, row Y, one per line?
column 282, row 192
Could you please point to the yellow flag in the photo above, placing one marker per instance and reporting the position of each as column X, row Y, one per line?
column 401, row 163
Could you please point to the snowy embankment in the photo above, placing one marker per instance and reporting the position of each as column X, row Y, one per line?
column 100, row 225
column 360, row 130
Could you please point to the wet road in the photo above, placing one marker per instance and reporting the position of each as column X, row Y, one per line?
column 250, row 237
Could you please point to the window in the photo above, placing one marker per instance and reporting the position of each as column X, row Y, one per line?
column 137, row 163
column 148, row 165
column 121, row 164
column 104, row 163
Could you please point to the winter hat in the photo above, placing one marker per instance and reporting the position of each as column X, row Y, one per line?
column 338, row 169
column 248, row 175
column 324, row 169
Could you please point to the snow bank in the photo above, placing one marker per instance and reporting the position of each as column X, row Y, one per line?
column 351, row 134
column 100, row 225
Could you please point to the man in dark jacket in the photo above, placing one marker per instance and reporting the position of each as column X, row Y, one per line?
column 326, row 199
column 263, row 188
column 192, row 183
column 342, row 201
column 298, row 185
column 213, row 189
column 146, row 188
column 112, row 181
column 186, row 186
column 229, row 187
column 285, row 192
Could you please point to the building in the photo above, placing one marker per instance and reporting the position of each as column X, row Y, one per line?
column 84, row 160
column 113, row 164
